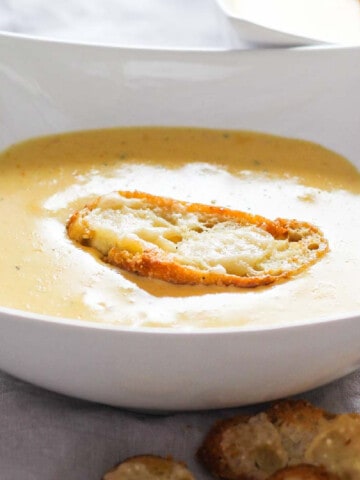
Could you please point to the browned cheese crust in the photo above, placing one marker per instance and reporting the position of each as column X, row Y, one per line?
column 149, row 260
column 289, row 433
column 149, row 467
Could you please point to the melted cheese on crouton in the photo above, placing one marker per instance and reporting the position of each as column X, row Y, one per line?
column 224, row 247
column 208, row 239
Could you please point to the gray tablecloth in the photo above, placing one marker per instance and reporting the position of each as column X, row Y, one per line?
column 45, row 436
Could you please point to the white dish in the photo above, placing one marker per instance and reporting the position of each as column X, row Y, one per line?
column 280, row 23
column 48, row 87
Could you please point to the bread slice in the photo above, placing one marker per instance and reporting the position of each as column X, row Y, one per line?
column 337, row 446
column 288, row 433
column 243, row 448
column 297, row 423
column 303, row 472
column 149, row 467
column 192, row 243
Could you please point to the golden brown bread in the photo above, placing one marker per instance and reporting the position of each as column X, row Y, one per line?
column 297, row 422
column 192, row 243
column 243, row 448
column 149, row 467
column 303, row 472
column 337, row 446
column 288, row 433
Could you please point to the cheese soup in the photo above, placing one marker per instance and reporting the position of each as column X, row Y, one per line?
column 44, row 180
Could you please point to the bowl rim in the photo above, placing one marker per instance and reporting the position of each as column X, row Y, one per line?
column 110, row 45
column 44, row 39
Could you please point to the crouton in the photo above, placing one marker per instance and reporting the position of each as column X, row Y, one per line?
column 288, row 433
column 192, row 243
column 149, row 467
column 337, row 446
column 303, row 472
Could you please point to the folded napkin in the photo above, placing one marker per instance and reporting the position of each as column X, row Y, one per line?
column 151, row 23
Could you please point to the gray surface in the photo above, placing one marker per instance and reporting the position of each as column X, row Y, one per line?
column 45, row 436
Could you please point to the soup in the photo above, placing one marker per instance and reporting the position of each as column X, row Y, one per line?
column 44, row 180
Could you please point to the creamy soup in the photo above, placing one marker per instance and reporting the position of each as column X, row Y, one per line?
column 44, row 180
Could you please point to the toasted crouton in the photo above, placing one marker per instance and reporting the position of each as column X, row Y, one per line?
column 337, row 446
column 297, row 423
column 149, row 467
column 243, row 448
column 303, row 472
column 191, row 243
column 288, row 433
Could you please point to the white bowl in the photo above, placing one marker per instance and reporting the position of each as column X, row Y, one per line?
column 290, row 24
column 48, row 87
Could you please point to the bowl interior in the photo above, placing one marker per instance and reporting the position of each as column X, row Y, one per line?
column 49, row 87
